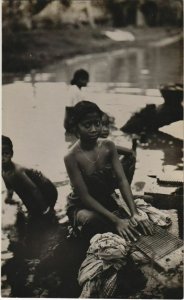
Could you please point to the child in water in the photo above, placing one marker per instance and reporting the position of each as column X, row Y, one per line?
column 127, row 156
column 80, row 79
column 95, row 172
column 38, row 193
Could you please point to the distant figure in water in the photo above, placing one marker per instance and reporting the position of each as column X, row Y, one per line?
column 127, row 156
column 80, row 79
column 38, row 193
column 95, row 172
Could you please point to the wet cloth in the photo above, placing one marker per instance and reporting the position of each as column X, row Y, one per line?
column 98, row 272
column 108, row 252
column 155, row 215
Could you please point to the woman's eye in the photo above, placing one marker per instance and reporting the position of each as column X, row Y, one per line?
column 87, row 125
column 97, row 123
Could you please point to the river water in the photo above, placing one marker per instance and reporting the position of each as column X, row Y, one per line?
column 121, row 83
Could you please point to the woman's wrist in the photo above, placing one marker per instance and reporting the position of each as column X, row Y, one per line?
column 114, row 219
column 134, row 212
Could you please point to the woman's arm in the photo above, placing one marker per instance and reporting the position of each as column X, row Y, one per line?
column 9, row 189
column 126, row 192
column 32, row 191
column 9, row 193
column 124, row 151
column 123, row 184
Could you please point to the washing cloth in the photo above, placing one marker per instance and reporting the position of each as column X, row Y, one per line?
column 106, row 253
column 158, row 217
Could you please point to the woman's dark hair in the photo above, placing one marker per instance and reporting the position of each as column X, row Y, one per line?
column 82, row 108
column 106, row 116
column 6, row 141
column 79, row 74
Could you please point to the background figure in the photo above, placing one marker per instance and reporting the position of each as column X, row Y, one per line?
column 37, row 192
column 127, row 156
column 80, row 79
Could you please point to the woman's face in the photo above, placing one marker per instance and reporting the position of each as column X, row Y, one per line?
column 89, row 128
column 82, row 82
column 6, row 155
column 105, row 127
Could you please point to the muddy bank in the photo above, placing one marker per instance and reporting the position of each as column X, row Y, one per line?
column 23, row 51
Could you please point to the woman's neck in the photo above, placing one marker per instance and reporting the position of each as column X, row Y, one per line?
column 88, row 145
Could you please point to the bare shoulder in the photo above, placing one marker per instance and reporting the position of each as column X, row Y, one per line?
column 71, row 156
column 108, row 144
column 18, row 169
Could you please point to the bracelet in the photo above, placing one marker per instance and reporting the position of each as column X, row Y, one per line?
column 46, row 211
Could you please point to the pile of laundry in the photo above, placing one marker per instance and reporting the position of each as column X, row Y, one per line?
column 98, row 272
column 109, row 253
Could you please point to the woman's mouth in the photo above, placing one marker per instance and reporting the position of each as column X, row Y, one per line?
column 104, row 134
column 93, row 136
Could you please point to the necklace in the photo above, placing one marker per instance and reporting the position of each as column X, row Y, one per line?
column 85, row 155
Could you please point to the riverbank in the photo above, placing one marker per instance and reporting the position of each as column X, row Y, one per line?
column 24, row 51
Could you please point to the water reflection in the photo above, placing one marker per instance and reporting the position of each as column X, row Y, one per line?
column 142, row 67
column 171, row 147
column 162, row 63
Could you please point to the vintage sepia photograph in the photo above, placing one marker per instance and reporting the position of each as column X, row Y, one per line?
column 92, row 149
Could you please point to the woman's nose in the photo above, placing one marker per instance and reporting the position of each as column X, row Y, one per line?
column 93, row 128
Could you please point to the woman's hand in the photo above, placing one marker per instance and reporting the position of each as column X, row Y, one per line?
column 126, row 230
column 141, row 218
